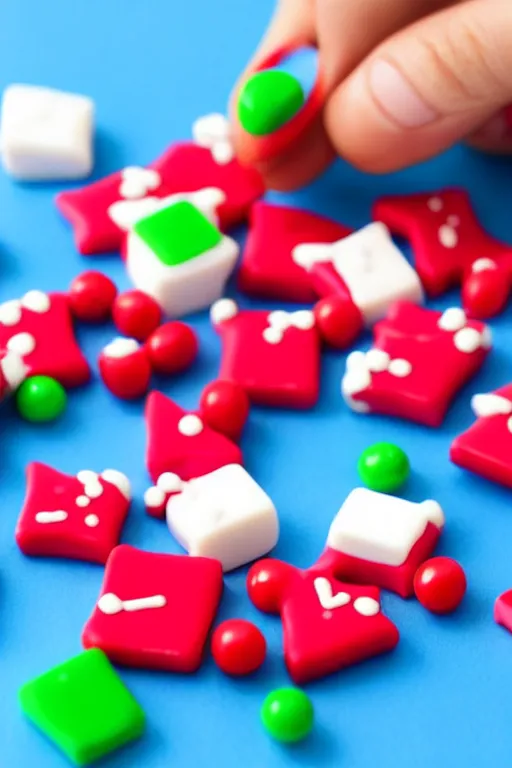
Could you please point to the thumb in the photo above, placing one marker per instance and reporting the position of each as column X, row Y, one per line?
column 426, row 87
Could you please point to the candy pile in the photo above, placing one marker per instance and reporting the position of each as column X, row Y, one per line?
column 168, row 221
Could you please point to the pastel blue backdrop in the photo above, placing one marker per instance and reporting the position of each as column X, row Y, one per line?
column 444, row 697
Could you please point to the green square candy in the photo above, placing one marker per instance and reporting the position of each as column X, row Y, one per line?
column 83, row 707
column 178, row 233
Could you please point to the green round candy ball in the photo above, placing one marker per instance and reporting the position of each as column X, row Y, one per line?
column 40, row 399
column 383, row 467
column 268, row 100
column 287, row 714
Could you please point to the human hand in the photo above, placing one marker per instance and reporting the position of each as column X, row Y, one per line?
column 403, row 80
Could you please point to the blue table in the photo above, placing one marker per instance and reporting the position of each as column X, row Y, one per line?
column 444, row 696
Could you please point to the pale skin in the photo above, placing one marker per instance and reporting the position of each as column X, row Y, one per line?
column 404, row 80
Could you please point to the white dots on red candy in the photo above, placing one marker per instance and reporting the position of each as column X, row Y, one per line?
column 279, row 321
column 92, row 521
column 170, row 482
column 36, row 301
column 399, row 367
column 51, row 517
column 10, row 312
column 328, row 599
column 377, row 360
column 121, row 482
column 190, row 425
column 110, row 604
column 22, row 344
column 82, row 501
column 448, row 236
column 92, row 486
column 154, row 497
column 468, row 340
column 137, row 182
column 435, row 204
column 490, row 404
column 452, row 319
column 223, row 310
column 121, row 347
column 366, row 606
column 480, row 265
column 13, row 369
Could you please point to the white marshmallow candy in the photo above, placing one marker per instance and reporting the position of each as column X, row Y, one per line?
column 46, row 134
column 224, row 515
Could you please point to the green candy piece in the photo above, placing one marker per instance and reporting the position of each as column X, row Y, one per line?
column 268, row 100
column 40, row 399
column 287, row 714
column 383, row 467
column 83, row 707
column 178, row 233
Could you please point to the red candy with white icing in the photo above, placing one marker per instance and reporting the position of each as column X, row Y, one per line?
column 155, row 610
column 38, row 328
column 99, row 222
column 136, row 314
column 327, row 624
column 91, row 295
column 125, row 369
column 274, row 356
column 13, row 372
column 419, row 360
column 76, row 517
column 448, row 242
column 268, row 267
column 381, row 540
column 225, row 406
column 486, row 447
column 181, row 443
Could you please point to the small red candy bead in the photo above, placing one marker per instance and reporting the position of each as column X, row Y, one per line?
column 238, row 647
column 172, row 348
column 125, row 369
column 338, row 320
column 266, row 580
column 224, row 406
column 136, row 314
column 485, row 291
column 91, row 296
column 440, row 584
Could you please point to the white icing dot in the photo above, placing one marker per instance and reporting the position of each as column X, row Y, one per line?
column 223, row 152
column 169, row 482
column 209, row 129
column 452, row 319
column 366, row 606
column 303, row 319
column 14, row 370
column 93, row 490
column 208, row 200
column 22, row 344
column 222, row 310
column 10, row 312
column 467, row 340
column 92, row 521
column 448, row 236
column 377, row 360
column 486, row 337
column 86, row 476
column 51, row 517
column 480, row 265
column 82, row 501
column 36, row 301
column 137, row 182
column 121, row 347
column 435, row 204
column 121, row 482
column 358, row 406
column 509, row 424
column 400, row 367
column 90, row 480
column 190, row 425
column 453, row 221
column 110, row 604
column 485, row 405
column 279, row 319
column 154, row 497
column 357, row 377
column 273, row 335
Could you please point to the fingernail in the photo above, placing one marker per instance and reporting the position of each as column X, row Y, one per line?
column 397, row 97
column 273, row 96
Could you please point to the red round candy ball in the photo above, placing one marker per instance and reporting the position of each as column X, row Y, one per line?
column 172, row 348
column 266, row 581
column 224, row 406
column 91, row 296
column 485, row 292
column 338, row 320
column 238, row 647
column 136, row 314
column 440, row 584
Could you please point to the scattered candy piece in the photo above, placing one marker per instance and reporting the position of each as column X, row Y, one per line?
column 91, row 295
column 46, row 134
column 225, row 515
column 77, row 517
column 268, row 100
column 419, row 361
column 182, row 443
column 338, row 320
column 448, row 241
column 503, row 610
column 41, row 399
column 238, row 647
column 38, row 328
column 136, row 314
column 157, row 496
column 125, row 369
column 83, row 707
column 268, row 268
column 155, row 610
column 383, row 467
column 274, row 356
column 440, row 584
column 225, row 406
column 327, row 624
column 381, row 540
column 486, row 290
column 486, row 447
column 287, row 715
column 172, row 348
column 179, row 258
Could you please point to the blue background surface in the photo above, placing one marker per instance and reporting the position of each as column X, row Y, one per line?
column 444, row 696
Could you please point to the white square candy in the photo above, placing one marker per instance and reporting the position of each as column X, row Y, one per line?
column 46, row 134
column 380, row 528
column 224, row 515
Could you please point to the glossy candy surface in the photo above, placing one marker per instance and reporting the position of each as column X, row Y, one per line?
column 440, row 584
column 287, row 715
column 238, row 647
column 383, row 467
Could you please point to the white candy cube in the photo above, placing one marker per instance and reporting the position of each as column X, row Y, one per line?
column 46, row 134
column 224, row 515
